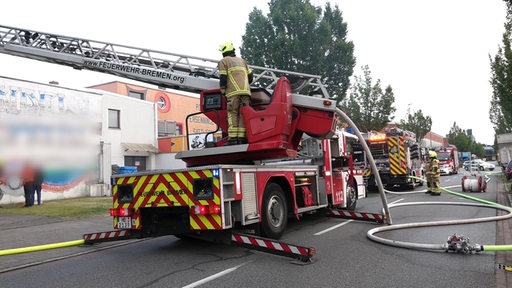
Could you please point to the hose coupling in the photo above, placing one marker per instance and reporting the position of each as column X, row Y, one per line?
column 458, row 244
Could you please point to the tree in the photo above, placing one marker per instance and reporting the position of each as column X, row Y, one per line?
column 369, row 107
column 500, row 112
column 463, row 142
column 416, row 122
column 297, row 36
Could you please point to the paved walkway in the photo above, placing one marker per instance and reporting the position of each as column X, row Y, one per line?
column 18, row 231
column 504, row 236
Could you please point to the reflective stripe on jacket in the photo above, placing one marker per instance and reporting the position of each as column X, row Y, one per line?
column 435, row 167
column 237, row 72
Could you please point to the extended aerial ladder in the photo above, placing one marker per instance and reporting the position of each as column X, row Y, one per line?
column 164, row 69
column 193, row 74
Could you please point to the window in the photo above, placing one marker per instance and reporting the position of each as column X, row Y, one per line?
column 113, row 118
column 137, row 95
column 179, row 128
column 163, row 102
column 160, row 102
column 139, row 161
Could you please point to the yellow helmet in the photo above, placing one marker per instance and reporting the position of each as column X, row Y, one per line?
column 227, row 47
column 432, row 154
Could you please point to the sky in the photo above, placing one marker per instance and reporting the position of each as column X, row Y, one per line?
column 434, row 54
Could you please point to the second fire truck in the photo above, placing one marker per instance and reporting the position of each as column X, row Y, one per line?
column 448, row 160
column 397, row 155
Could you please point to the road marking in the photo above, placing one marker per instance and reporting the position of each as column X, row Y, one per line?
column 401, row 199
column 332, row 228
column 214, row 276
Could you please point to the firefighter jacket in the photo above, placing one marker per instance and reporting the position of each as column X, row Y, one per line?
column 428, row 165
column 237, row 74
column 434, row 169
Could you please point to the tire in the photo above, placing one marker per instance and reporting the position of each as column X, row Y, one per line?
column 274, row 212
column 351, row 196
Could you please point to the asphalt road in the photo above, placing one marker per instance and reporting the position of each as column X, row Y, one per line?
column 345, row 256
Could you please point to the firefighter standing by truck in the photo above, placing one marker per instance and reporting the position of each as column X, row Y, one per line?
column 433, row 174
column 235, row 78
column 428, row 168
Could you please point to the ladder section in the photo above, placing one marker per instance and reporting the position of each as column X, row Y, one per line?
column 164, row 69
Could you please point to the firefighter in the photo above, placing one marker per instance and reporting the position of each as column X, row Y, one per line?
column 434, row 172
column 428, row 165
column 235, row 79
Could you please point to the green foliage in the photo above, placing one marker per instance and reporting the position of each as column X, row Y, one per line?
column 500, row 112
column 300, row 37
column 369, row 107
column 463, row 142
column 416, row 122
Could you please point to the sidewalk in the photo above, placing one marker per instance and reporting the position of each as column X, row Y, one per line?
column 504, row 237
column 18, row 231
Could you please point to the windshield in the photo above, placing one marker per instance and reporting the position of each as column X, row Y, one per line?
column 443, row 156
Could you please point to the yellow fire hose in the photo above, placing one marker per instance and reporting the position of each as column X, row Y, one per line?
column 41, row 247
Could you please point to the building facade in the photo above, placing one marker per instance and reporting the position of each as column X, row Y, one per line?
column 174, row 109
column 434, row 141
column 181, row 125
column 504, row 148
column 75, row 135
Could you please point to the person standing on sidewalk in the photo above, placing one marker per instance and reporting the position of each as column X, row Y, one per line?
column 38, row 184
column 27, row 174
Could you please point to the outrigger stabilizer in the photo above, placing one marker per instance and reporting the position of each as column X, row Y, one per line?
column 362, row 216
column 301, row 253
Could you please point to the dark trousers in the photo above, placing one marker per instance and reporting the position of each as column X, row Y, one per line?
column 37, row 189
column 28, row 189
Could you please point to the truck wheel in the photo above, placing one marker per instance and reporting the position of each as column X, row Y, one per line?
column 351, row 196
column 274, row 212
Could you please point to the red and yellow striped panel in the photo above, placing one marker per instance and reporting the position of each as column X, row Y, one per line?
column 396, row 160
column 170, row 190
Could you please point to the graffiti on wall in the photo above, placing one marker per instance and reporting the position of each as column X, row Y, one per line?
column 51, row 126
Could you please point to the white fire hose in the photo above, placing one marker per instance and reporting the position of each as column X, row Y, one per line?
column 473, row 185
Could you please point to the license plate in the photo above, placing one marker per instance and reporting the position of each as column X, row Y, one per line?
column 124, row 223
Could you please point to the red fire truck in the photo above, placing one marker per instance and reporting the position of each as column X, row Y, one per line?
column 448, row 160
column 397, row 155
column 295, row 161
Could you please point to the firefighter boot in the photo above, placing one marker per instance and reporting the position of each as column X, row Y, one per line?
column 236, row 141
column 436, row 188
